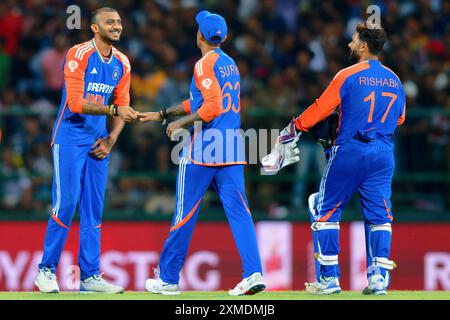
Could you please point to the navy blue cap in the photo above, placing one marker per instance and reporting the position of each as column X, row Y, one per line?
column 212, row 26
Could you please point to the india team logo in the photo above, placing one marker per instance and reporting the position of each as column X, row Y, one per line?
column 207, row 83
column 72, row 65
column 115, row 74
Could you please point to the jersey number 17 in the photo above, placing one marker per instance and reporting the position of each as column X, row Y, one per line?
column 371, row 98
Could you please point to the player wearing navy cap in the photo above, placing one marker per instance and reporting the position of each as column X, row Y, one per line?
column 214, row 103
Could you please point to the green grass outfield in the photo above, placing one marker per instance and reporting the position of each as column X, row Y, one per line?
column 222, row 295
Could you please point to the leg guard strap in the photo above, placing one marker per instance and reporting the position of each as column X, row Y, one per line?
column 381, row 227
column 318, row 226
column 327, row 260
column 383, row 263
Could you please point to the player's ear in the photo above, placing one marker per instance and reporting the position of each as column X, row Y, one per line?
column 364, row 47
column 94, row 28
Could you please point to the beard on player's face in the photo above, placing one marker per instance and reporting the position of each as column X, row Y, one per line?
column 354, row 56
column 110, row 34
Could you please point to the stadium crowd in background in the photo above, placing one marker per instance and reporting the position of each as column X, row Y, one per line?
column 286, row 55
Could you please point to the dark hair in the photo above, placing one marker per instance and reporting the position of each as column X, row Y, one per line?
column 210, row 43
column 95, row 14
column 375, row 37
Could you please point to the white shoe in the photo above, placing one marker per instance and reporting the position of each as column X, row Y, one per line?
column 323, row 286
column 159, row 286
column 377, row 286
column 312, row 287
column 249, row 286
column 46, row 281
column 96, row 284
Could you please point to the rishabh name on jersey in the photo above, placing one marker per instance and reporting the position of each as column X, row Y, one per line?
column 370, row 99
column 219, row 141
column 87, row 76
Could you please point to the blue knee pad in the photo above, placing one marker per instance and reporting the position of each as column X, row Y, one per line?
column 378, row 245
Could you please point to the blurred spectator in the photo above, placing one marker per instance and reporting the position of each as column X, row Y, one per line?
column 16, row 185
column 5, row 65
column 52, row 61
column 11, row 25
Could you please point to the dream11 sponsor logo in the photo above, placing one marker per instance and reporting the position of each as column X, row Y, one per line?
column 18, row 273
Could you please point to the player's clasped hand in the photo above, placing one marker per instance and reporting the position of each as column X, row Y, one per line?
column 149, row 116
column 173, row 128
column 127, row 114
column 101, row 148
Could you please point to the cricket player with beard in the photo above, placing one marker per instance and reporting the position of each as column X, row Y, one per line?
column 371, row 104
column 94, row 72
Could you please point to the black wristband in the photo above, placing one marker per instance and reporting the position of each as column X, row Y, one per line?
column 164, row 114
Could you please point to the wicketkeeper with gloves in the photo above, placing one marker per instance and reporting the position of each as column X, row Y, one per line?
column 371, row 104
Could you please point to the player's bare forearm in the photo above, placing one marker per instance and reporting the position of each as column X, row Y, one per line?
column 126, row 113
column 95, row 109
column 117, row 125
column 183, row 122
column 176, row 110
column 189, row 119
column 163, row 114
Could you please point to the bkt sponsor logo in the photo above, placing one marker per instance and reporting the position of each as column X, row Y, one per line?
column 129, row 269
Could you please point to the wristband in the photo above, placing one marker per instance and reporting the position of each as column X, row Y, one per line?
column 113, row 111
column 164, row 116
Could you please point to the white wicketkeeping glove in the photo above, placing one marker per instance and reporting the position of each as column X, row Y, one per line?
column 285, row 151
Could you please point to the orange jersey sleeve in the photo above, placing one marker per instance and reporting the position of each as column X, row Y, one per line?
column 122, row 90
column 208, row 84
column 187, row 106
column 74, row 69
column 401, row 119
column 328, row 101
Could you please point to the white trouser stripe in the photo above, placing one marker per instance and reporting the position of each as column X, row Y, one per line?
column 381, row 227
column 324, row 179
column 181, row 190
column 55, row 209
column 178, row 190
column 180, row 177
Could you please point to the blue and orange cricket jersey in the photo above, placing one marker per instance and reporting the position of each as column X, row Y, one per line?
column 370, row 98
column 89, row 77
column 214, row 94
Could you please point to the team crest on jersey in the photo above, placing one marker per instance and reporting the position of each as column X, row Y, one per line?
column 207, row 83
column 115, row 74
column 72, row 65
